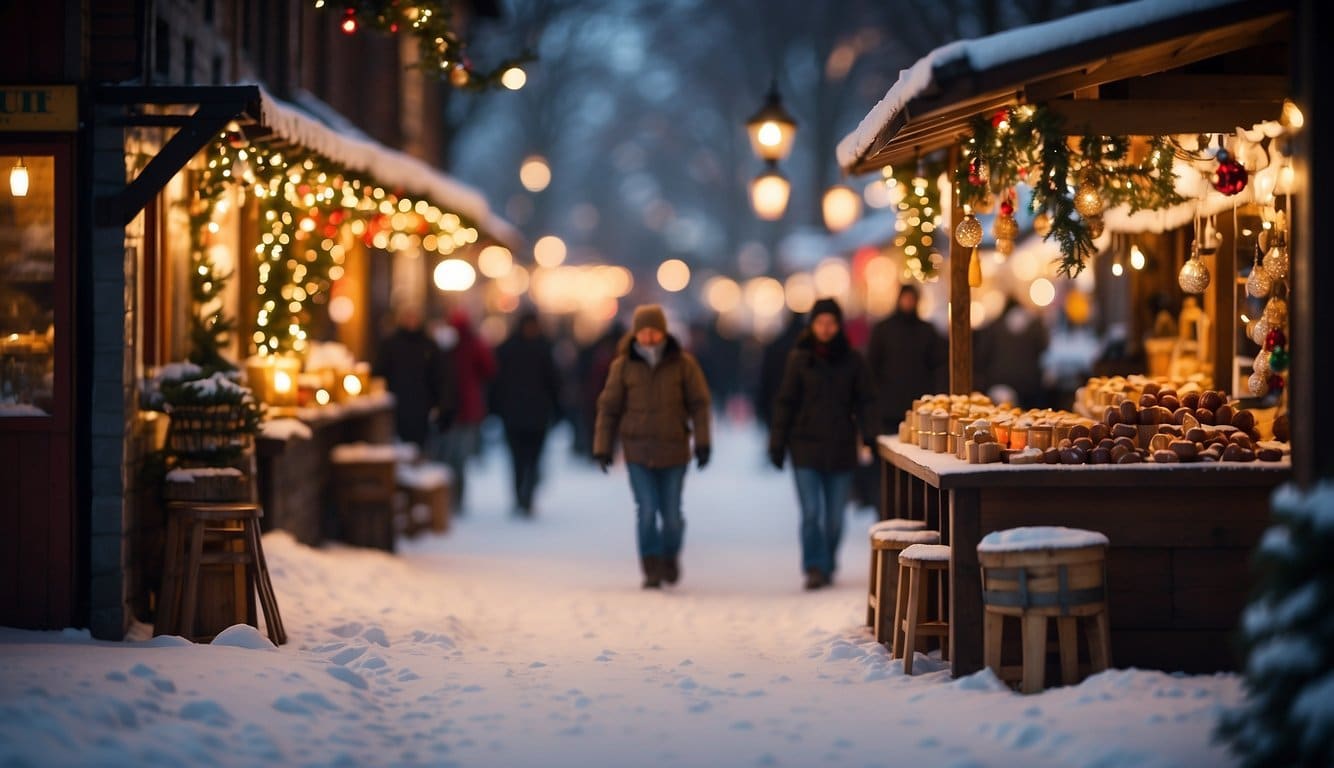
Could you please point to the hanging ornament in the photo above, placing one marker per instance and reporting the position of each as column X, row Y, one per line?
column 975, row 270
column 1230, row 176
column 1276, row 338
column 1194, row 275
column 459, row 75
column 1262, row 364
column 1276, row 312
column 1005, row 229
column 977, row 171
column 1275, row 382
column 1258, row 384
column 1095, row 225
column 1258, row 283
column 1279, row 360
column 1088, row 198
column 1260, row 330
column 1042, row 224
column 969, row 232
column 1276, row 261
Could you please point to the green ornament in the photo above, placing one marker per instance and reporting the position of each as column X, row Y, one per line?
column 1279, row 359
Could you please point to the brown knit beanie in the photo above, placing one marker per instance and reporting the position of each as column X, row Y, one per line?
column 649, row 316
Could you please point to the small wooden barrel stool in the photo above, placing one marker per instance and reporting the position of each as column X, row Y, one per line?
column 235, row 523
column 911, row 620
column 366, row 488
column 426, row 486
column 885, row 549
column 1038, row 573
column 873, row 578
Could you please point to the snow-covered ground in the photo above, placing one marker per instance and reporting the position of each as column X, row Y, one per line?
column 511, row 642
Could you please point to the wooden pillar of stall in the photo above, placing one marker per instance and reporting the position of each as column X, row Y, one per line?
column 961, row 300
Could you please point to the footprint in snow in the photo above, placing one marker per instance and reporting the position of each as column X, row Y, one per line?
column 290, row 706
column 408, row 675
column 536, row 665
column 376, row 635
column 687, row 684
column 346, row 630
column 742, row 725
column 348, row 676
column 700, row 707
column 374, row 662
column 206, row 712
column 604, row 657
column 349, row 655
column 142, row 670
column 117, row 677
column 165, row 686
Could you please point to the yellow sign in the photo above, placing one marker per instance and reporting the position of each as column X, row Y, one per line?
column 39, row 108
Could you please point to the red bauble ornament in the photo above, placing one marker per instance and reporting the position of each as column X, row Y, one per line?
column 1007, row 208
column 975, row 171
column 1230, row 177
column 1276, row 338
column 1275, row 383
column 1001, row 116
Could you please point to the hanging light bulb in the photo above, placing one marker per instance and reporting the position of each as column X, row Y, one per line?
column 1137, row 259
column 769, row 193
column 18, row 179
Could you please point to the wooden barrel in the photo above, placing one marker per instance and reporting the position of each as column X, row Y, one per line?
column 1045, row 582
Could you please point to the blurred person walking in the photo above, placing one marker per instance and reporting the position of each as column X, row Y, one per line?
column 907, row 358
column 654, row 398
column 525, row 394
column 473, row 366
column 416, row 371
column 825, row 402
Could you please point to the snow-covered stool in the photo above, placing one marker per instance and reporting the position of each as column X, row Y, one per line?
column 1043, row 572
column 366, row 490
column 885, row 548
column 426, row 486
column 912, row 621
column 236, row 524
column 873, row 578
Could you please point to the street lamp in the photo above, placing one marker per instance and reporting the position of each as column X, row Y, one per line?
column 841, row 206
column 772, row 129
column 769, row 192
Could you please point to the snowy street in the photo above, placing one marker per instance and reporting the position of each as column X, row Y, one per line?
column 510, row 642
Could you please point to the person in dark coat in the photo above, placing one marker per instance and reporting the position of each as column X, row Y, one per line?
column 655, row 397
column 773, row 361
column 907, row 359
column 825, row 403
column 415, row 370
column 472, row 365
column 525, row 394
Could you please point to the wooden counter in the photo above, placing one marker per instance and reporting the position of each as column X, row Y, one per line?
column 1181, row 540
column 295, row 473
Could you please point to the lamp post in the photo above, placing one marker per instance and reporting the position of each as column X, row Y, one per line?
column 772, row 131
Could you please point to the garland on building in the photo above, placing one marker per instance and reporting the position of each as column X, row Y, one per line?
column 308, row 205
column 441, row 51
column 1073, row 181
column 210, row 328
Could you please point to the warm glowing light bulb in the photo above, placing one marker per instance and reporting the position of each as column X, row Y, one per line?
column 454, row 275
column 322, row 396
column 1117, row 269
column 1137, row 260
column 352, row 384
column 673, row 275
column 18, row 179
column 1042, row 292
column 535, row 174
column 514, row 78
column 549, row 251
column 282, row 382
column 770, row 135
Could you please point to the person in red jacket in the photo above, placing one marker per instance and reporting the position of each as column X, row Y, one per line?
column 460, row 428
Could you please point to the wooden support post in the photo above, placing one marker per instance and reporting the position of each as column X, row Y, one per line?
column 965, row 582
column 961, row 299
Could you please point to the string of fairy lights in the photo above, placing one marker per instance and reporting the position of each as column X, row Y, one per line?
column 311, row 210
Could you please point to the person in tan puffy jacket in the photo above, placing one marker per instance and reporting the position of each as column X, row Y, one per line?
column 655, row 398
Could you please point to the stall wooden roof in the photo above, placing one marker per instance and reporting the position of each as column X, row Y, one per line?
column 1063, row 63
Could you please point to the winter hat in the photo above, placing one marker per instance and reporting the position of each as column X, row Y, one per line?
column 649, row 316
column 827, row 306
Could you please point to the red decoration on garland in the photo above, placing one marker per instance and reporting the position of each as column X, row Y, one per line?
column 1276, row 338
column 975, row 171
column 349, row 24
column 1230, row 177
column 1001, row 116
column 1007, row 207
column 1275, row 382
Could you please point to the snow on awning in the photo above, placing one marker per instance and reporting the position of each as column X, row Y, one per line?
column 937, row 95
column 389, row 167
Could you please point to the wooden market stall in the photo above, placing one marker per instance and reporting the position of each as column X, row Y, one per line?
column 1132, row 77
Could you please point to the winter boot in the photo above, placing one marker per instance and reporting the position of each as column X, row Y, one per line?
column 671, row 569
column 815, row 579
column 652, row 567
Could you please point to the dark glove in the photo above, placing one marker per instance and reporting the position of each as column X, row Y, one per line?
column 702, row 453
column 603, row 460
column 776, row 457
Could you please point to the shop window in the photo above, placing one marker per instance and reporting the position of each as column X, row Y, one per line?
column 27, row 285
column 162, row 49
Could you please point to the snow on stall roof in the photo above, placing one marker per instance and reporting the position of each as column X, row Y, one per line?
column 1040, row 537
column 1012, row 45
column 387, row 166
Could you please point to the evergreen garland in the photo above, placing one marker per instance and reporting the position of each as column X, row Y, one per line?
column 1288, row 634
column 918, row 233
column 1028, row 144
column 210, row 328
column 441, row 51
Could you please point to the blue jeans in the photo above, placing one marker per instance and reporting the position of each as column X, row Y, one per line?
column 658, row 507
column 823, row 497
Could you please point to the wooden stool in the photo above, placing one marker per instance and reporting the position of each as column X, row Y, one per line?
column 873, row 578
column 366, row 489
column 911, row 619
column 1038, row 573
column 885, row 548
column 235, row 523
column 426, row 486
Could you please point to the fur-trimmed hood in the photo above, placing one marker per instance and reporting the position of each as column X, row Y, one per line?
column 671, row 348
